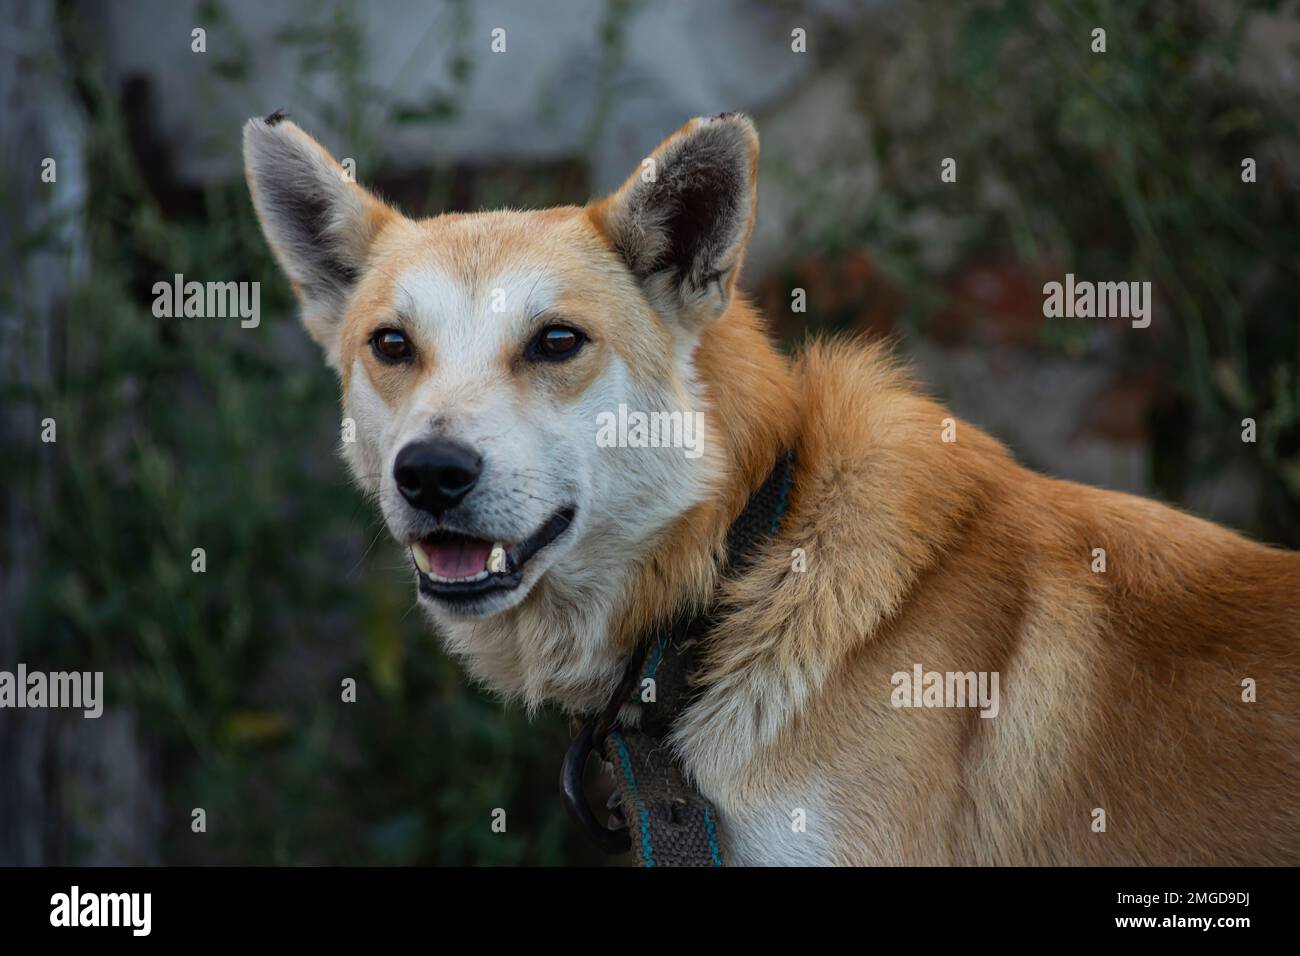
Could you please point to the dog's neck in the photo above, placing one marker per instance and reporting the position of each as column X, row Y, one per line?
column 754, row 411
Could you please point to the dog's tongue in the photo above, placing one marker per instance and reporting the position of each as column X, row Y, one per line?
column 457, row 557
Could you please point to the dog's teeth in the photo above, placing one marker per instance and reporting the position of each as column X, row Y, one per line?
column 469, row 580
column 497, row 559
column 421, row 559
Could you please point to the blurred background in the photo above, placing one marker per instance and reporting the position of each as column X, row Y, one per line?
column 223, row 688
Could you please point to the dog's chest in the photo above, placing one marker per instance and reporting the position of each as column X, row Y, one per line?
column 774, row 832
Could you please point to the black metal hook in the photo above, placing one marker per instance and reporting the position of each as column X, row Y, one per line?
column 592, row 737
column 575, row 800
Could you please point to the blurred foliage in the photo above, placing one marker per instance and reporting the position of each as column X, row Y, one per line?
column 1122, row 165
column 176, row 434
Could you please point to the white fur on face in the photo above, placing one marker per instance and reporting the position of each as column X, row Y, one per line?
column 528, row 471
column 549, row 638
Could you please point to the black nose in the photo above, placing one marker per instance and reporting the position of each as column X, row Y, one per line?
column 434, row 475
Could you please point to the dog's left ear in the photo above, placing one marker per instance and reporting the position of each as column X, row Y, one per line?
column 681, row 221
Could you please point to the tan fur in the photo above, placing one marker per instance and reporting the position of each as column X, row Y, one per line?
column 762, row 400
column 1120, row 691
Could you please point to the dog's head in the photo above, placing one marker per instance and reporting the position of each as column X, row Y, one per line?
column 481, row 356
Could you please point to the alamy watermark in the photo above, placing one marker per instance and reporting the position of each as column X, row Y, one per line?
column 922, row 688
column 1098, row 300
column 631, row 429
column 208, row 300
column 133, row 911
column 60, row 689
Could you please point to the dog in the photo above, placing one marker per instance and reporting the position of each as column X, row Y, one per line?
column 1144, row 661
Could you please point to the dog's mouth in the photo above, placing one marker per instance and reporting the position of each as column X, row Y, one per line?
column 458, row 567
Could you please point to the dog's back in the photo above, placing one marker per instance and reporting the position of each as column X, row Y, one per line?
column 1147, row 661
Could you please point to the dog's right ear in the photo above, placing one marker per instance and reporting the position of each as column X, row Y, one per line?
column 319, row 223
column 681, row 221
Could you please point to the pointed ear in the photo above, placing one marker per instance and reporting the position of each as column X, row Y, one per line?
column 681, row 221
column 319, row 224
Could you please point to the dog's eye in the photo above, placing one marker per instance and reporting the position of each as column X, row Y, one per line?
column 555, row 343
column 391, row 345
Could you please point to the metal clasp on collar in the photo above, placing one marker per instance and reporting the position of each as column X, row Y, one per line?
column 592, row 738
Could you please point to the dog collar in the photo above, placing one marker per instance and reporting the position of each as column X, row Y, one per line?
column 667, row 822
